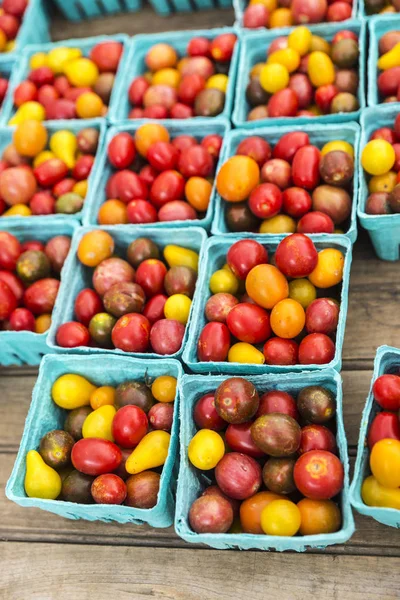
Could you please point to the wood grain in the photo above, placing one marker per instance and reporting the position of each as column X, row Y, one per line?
column 174, row 574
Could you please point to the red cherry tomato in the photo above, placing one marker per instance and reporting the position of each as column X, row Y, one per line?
column 148, row 175
column 196, row 162
column 214, row 343
column 108, row 489
column 318, row 475
column 316, row 349
column 221, row 48
column 324, row 96
column 249, row 323
column 40, row 297
column 129, row 426
column 62, row 187
column 107, row 55
column 386, row 390
column 121, row 150
column 126, row 186
column 296, row 255
column 95, row 456
column 42, row 204
column 10, row 249
column 154, row 308
column 25, row 92
column 32, row 245
column 14, row 283
column 87, row 304
column 168, row 186
column 50, row 172
column 8, row 302
column 385, row 425
column 238, row 438
column 255, row 147
column 317, row 437
column 288, row 145
column 198, row 46
column 278, row 351
column 205, row 415
column 213, row 144
column 266, row 200
column 183, row 142
column 301, row 85
column 72, row 335
column 137, row 90
column 21, row 319
column 141, row 211
column 41, row 76
column 315, row 222
column 166, row 336
column 189, row 87
column 163, row 156
column 83, row 167
column 305, row 167
column 177, row 210
column 277, row 401
column 283, row 104
column 322, row 316
column 150, row 276
column 296, row 202
column 244, row 255
column 131, row 333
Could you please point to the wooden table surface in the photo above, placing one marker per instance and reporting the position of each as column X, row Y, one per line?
column 45, row 557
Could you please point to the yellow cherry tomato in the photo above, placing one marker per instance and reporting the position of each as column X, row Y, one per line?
column 329, row 269
column 385, row 462
column 281, row 517
column 303, row 291
column 278, row 224
column 151, row 452
column 64, row 145
column 42, row 157
column 164, row 388
column 58, row 57
column 281, row 17
column 375, row 494
column 177, row 256
column 319, row 43
column 89, row 106
column 98, row 424
column 274, row 77
column 167, row 76
column 287, row 318
column 321, row 70
column 18, row 210
column 245, row 353
column 300, row 40
column 102, row 396
column 81, row 72
column 177, row 307
column 72, row 391
column 218, row 82
column 390, row 59
column 287, row 57
column 224, row 281
column 81, row 188
column 42, row 323
column 378, row 157
column 41, row 481
column 383, row 183
column 338, row 145
column 206, row 449
column 37, row 60
column 28, row 111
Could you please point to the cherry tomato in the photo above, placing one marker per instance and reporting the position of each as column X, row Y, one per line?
column 317, row 437
column 251, row 510
column 163, row 156
column 244, row 255
column 121, row 151
column 281, row 517
column 95, row 456
column 213, row 144
column 316, row 349
column 50, row 172
column 154, row 308
column 385, row 425
column 40, row 297
column 255, row 147
column 206, row 449
column 221, row 47
column 8, row 302
column 177, row 211
column 129, row 426
column 72, row 335
column 237, row 177
column 238, row 475
column 168, row 186
column 296, row 202
column 131, row 333
column 238, row 438
column 140, row 211
column 10, row 249
column 196, row 162
column 94, row 247
column 266, row 285
column 386, row 390
column 14, row 283
column 21, row 319
column 305, row 167
column 249, row 323
column 288, row 145
column 318, row 516
column 283, row 103
column 83, row 167
column 374, row 494
column 319, row 475
column 384, row 462
column 166, row 336
column 287, row 318
column 276, row 401
column 87, row 305
column 322, row 316
column 198, row 46
column 150, row 276
column 214, row 343
column 108, row 489
column 126, row 186
column 296, row 256
column 266, row 200
column 205, row 415
column 107, row 55
column 315, row 222
column 329, row 269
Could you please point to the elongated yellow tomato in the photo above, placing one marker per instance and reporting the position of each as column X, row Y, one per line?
column 72, row 391
column 287, row 57
column 374, row 494
column 319, row 43
column 63, row 144
column 300, row 40
column 28, row 111
column 151, row 452
column 81, row 72
column 320, row 69
column 98, row 424
column 206, row 449
column 59, row 57
column 41, row 481
column 385, row 462
column 245, row 353
column 390, row 59
column 176, row 256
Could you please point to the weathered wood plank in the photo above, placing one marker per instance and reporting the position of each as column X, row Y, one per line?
column 87, row 572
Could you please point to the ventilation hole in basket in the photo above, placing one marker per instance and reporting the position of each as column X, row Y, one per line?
column 80, row 10
column 101, row 7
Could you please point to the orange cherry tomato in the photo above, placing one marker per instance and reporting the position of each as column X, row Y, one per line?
column 266, row 285
column 318, row 516
column 42, row 323
column 148, row 134
column 30, row 138
column 251, row 509
column 102, row 396
column 198, row 193
column 94, row 247
column 237, row 177
column 113, row 212
column 287, row 318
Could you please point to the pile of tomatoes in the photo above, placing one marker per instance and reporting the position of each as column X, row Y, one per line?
column 11, row 16
column 380, row 159
column 256, row 315
column 389, row 63
column 138, row 304
column 302, row 188
column 382, row 488
column 285, row 13
column 305, row 76
column 159, row 178
column 286, row 445
column 29, row 281
column 182, row 87
column 111, row 441
column 42, row 174
column 63, row 84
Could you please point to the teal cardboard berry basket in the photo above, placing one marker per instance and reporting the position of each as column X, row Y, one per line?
column 191, row 481
column 135, row 66
column 77, row 277
column 27, row 347
column 44, row 416
column 387, row 360
column 253, row 49
column 85, row 45
column 104, row 170
column 6, row 135
column 214, row 257
column 34, row 27
column 384, row 230
column 91, row 9
column 377, row 27
column 7, row 63
column 349, row 132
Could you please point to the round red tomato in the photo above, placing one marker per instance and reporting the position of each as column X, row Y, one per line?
column 386, row 390
column 317, row 437
column 129, row 426
column 205, row 415
column 296, row 202
column 95, row 456
column 249, row 323
column 315, row 222
column 72, row 335
column 40, row 297
column 131, row 333
column 150, row 276
column 238, row 438
column 266, row 200
column 318, row 475
column 121, row 150
column 316, row 349
column 21, row 319
column 10, row 249
column 141, row 211
column 87, row 304
column 166, row 336
column 169, row 185
column 196, row 162
column 214, row 343
column 244, row 255
column 108, row 489
column 163, row 156
column 386, row 425
column 14, row 283
column 154, row 309
column 8, row 301
column 278, row 351
column 296, row 256
column 288, row 145
column 277, row 401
